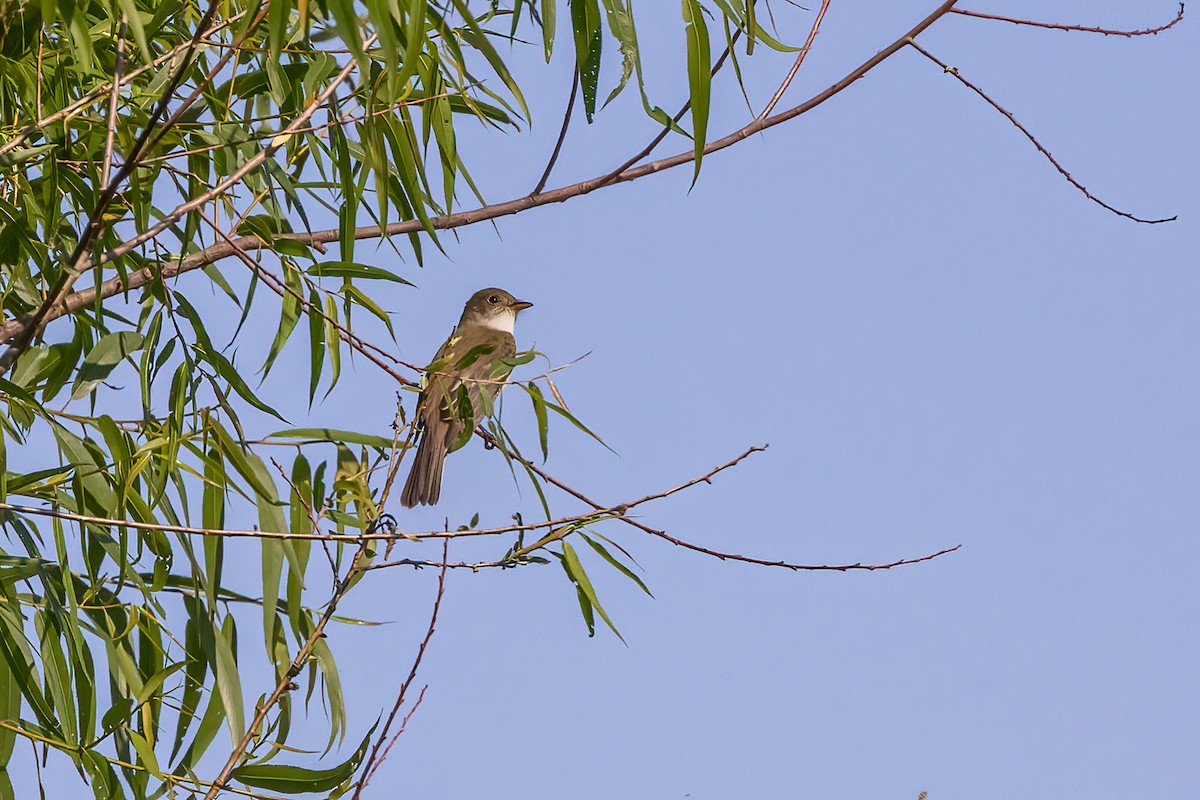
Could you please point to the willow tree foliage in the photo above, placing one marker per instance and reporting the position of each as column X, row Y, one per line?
column 150, row 152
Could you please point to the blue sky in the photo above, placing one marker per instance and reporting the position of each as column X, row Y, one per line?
column 943, row 343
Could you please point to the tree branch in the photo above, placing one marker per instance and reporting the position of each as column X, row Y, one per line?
column 114, row 94
column 787, row 81
column 722, row 556
column 216, row 252
column 1041, row 148
column 1082, row 28
column 376, row 758
column 286, row 684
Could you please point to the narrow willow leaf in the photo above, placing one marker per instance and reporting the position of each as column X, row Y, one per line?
column 334, row 435
column 575, row 571
column 549, row 24
column 103, row 359
column 301, row 780
column 350, row 269
column 226, row 370
column 562, row 412
column 543, row 420
column 145, row 751
column 289, row 313
column 10, row 709
column 56, row 675
column 272, row 573
column 624, row 570
column 358, row 297
column 620, row 22
column 585, row 21
column 699, row 62
column 478, row 38
column 333, row 342
column 229, row 682
column 316, row 344
column 333, row 691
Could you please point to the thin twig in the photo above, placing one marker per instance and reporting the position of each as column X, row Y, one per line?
column 286, row 684
column 1061, row 27
column 783, row 87
column 648, row 149
column 375, row 759
column 1028, row 135
column 562, row 133
column 356, row 342
column 113, row 97
column 592, row 516
column 723, row 556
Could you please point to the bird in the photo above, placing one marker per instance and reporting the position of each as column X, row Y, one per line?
column 460, row 384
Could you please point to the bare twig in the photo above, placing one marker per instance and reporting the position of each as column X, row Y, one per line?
column 286, row 682
column 723, row 556
column 783, row 87
column 1028, row 135
column 375, row 759
column 1062, row 27
column 562, row 134
column 114, row 94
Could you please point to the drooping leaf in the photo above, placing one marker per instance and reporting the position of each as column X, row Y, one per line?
column 699, row 65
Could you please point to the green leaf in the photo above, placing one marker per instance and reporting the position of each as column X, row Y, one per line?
column 567, row 415
column 585, row 22
column 620, row 22
column 289, row 313
column 539, row 412
column 302, row 780
column 607, row 556
column 103, row 359
column 333, row 342
column 226, row 370
column 574, row 568
column 316, row 344
column 549, row 24
column 351, row 269
column 334, row 435
column 699, row 63
column 10, row 709
column 229, row 681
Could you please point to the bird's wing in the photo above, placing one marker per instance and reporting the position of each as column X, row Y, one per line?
column 461, row 373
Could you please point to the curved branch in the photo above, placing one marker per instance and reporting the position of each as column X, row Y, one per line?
column 562, row 136
column 717, row 554
column 216, row 252
column 1041, row 148
column 1063, row 27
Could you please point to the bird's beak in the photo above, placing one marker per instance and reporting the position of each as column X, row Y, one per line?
column 521, row 305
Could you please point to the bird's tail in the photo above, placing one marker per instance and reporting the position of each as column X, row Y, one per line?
column 424, row 484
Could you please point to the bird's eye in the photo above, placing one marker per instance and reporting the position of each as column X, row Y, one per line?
column 493, row 299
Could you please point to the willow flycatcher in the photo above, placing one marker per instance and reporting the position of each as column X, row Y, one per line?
column 460, row 385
